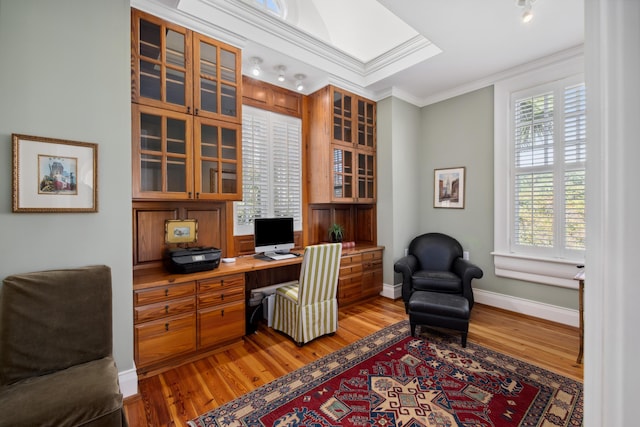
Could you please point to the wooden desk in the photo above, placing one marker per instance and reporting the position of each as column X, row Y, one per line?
column 580, row 278
column 182, row 317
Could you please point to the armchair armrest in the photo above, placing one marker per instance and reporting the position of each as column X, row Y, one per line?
column 467, row 271
column 407, row 265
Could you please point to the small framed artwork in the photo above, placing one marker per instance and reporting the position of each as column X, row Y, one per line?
column 448, row 190
column 180, row 230
column 54, row 175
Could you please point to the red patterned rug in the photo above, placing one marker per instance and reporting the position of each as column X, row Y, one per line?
column 391, row 379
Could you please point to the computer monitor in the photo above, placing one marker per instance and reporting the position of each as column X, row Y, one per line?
column 273, row 235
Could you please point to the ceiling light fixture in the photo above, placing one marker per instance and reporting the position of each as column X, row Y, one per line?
column 299, row 78
column 527, row 15
column 255, row 69
column 281, row 69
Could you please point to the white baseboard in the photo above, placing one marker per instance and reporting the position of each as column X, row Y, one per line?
column 391, row 291
column 128, row 382
column 550, row 312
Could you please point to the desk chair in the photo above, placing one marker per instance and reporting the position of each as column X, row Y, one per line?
column 309, row 308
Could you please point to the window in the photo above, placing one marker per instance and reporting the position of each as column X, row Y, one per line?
column 540, row 153
column 548, row 177
column 276, row 7
column 271, row 169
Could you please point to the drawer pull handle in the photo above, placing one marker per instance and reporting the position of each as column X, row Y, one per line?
column 166, row 292
column 166, row 309
column 166, row 327
column 222, row 297
column 222, row 282
column 222, row 312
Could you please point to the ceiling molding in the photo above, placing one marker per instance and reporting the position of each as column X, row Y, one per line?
column 562, row 56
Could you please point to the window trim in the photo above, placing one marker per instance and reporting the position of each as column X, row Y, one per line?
column 507, row 263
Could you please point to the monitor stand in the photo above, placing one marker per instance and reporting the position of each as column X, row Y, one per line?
column 277, row 255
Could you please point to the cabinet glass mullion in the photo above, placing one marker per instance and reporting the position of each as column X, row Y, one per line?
column 163, row 154
column 342, row 173
column 216, row 79
column 162, row 52
column 217, row 157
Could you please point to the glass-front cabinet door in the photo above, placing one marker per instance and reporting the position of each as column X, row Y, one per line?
column 217, row 81
column 343, row 176
column 366, row 124
column 161, row 154
column 342, row 117
column 217, row 160
column 366, row 177
column 161, row 63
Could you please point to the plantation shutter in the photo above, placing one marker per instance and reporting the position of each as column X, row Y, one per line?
column 534, row 171
column 575, row 156
column 255, row 170
column 286, row 169
column 271, row 169
column 549, row 170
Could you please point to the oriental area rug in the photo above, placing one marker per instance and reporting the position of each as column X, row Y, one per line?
column 391, row 379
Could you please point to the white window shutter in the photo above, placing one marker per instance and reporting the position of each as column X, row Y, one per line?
column 271, row 169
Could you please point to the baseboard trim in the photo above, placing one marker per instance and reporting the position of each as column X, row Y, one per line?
column 550, row 312
column 391, row 291
column 128, row 382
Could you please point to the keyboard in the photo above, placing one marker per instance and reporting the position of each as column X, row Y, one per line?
column 281, row 256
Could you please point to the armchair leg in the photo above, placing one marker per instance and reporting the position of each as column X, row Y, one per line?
column 413, row 330
column 464, row 339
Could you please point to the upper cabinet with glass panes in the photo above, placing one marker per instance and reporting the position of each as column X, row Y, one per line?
column 180, row 70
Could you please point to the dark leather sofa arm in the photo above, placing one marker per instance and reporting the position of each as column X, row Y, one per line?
column 466, row 271
column 407, row 265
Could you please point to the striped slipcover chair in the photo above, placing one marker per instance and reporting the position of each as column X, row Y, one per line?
column 307, row 309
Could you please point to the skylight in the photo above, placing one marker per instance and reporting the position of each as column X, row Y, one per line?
column 275, row 7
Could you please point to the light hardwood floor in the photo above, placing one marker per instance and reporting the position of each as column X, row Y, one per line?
column 178, row 395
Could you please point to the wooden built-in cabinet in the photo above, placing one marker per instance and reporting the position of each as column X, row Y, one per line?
column 342, row 147
column 270, row 97
column 164, row 322
column 186, row 114
column 360, row 275
column 175, row 321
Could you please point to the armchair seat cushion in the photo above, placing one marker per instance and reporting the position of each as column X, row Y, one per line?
column 437, row 281
column 87, row 394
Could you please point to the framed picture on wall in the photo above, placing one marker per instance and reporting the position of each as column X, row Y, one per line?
column 449, row 188
column 54, row 175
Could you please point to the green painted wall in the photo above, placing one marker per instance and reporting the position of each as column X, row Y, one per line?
column 459, row 132
column 66, row 74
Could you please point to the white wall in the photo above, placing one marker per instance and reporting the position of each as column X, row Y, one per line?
column 66, row 74
column 612, row 292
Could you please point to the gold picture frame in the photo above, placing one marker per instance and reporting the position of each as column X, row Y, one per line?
column 54, row 175
column 449, row 188
column 180, row 231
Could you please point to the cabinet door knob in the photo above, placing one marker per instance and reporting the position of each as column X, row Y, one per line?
column 197, row 111
column 189, row 110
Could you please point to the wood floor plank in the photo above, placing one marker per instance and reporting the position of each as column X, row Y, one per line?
column 173, row 397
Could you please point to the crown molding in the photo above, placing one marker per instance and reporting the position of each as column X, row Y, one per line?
column 216, row 18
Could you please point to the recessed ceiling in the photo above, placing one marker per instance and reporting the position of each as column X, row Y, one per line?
column 417, row 50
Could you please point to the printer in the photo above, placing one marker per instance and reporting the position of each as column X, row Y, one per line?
column 191, row 260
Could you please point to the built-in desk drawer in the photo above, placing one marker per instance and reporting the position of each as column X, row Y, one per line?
column 163, row 293
column 170, row 307
column 221, row 283
column 221, row 297
column 165, row 338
